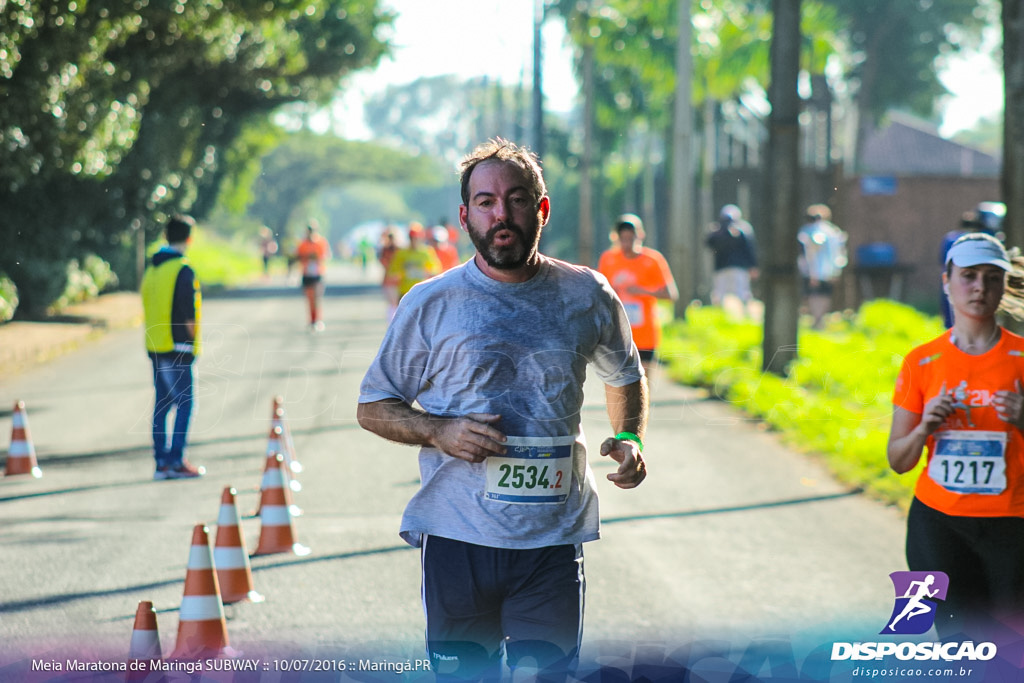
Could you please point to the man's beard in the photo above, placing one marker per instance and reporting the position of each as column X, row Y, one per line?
column 508, row 257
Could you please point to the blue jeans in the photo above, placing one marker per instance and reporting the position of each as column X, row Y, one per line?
column 173, row 380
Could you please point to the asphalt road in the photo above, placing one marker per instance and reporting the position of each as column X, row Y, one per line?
column 734, row 542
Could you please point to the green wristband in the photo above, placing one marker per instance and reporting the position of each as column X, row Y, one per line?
column 630, row 436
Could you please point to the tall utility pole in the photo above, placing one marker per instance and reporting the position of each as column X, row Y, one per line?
column 1013, row 129
column 537, row 144
column 586, row 227
column 681, row 235
column 782, row 292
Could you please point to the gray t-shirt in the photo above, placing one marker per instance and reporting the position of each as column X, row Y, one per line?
column 464, row 343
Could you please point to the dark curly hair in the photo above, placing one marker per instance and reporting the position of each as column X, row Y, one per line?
column 498, row 149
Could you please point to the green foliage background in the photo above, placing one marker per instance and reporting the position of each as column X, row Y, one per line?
column 118, row 114
column 836, row 400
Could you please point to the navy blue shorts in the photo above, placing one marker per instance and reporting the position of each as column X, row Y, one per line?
column 482, row 602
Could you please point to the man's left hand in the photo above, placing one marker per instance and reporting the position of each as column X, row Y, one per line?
column 632, row 469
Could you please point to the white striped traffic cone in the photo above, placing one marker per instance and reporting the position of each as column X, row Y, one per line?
column 290, row 457
column 273, row 449
column 21, row 457
column 277, row 442
column 202, row 629
column 231, row 562
column 145, row 642
column 276, row 532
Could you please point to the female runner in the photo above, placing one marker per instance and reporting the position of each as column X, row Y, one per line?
column 960, row 398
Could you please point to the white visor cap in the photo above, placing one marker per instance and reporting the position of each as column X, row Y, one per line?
column 977, row 249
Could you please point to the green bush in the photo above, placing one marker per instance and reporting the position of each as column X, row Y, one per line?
column 101, row 272
column 8, row 298
column 84, row 281
column 79, row 287
column 836, row 398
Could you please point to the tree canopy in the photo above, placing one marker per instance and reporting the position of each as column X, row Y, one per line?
column 117, row 112
column 634, row 46
column 444, row 116
column 894, row 47
column 305, row 163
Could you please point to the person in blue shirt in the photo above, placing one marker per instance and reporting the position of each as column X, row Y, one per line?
column 987, row 217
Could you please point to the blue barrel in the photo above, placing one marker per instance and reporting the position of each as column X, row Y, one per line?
column 876, row 254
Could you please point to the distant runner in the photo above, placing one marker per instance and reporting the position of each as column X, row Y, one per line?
column 312, row 254
column 641, row 277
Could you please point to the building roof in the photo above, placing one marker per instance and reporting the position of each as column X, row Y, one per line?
column 909, row 146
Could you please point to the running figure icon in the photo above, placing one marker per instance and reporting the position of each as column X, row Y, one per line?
column 916, row 592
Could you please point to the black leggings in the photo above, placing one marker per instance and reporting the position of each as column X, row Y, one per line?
column 984, row 559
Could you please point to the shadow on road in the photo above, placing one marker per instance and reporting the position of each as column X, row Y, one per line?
column 76, row 489
column 66, row 459
column 59, row 599
column 258, row 566
column 734, row 508
column 62, row 598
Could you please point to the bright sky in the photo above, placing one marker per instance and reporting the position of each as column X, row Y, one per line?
column 495, row 38
column 491, row 38
column 977, row 85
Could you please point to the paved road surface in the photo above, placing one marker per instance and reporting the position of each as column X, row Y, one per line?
column 733, row 541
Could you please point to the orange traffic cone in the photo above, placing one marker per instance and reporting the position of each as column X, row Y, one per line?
column 277, row 442
column 145, row 643
column 290, row 458
column 289, row 484
column 234, row 575
column 21, row 457
column 202, row 630
column 276, row 533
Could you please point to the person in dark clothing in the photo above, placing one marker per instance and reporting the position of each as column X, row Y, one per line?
column 732, row 244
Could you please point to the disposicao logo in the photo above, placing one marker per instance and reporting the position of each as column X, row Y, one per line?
column 913, row 613
column 914, row 608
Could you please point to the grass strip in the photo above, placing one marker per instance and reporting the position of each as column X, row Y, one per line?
column 834, row 403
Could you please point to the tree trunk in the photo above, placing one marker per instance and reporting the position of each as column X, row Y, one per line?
column 650, row 201
column 865, row 103
column 538, row 87
column 708, row 210
column 681, row 235
column 586, row 226
column 782, row 293
column 1013, row 130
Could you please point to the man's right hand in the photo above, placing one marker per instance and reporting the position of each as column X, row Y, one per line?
column 471, row 437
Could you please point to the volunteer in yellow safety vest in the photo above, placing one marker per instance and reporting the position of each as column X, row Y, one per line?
column 171, row 303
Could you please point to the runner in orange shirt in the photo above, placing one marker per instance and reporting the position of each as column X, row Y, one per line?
column 640, row 276
column 960, row 398
column 312, row 254
column 437, row 237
